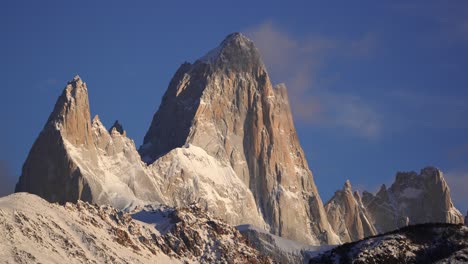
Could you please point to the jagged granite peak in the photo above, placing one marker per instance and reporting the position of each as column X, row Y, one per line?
column 49, row 171
column 118, row 128
column 412, row 199
column 466, row 218
column 76, row 159
column 236, row 52
column 227, row 106
column 348, row 216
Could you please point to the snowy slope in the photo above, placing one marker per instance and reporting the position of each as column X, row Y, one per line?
column 280, row 249
column 33, row 230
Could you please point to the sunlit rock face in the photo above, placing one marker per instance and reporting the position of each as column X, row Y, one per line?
column 348, row 216
column 226, row 104
column 412, row 199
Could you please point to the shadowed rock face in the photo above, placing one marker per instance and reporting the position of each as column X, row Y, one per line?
column 348, row 216
column 412, row 199
column 226, row 104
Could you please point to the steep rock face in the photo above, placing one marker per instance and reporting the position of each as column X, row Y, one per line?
column 49, row 161
column 225, row 104
column 348, row 216
column 466, row 219
column 412, row 199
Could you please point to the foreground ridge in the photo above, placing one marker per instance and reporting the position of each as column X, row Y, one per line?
column 423, row 243
column 33, row 230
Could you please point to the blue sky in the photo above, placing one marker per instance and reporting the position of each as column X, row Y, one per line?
column 375, row 88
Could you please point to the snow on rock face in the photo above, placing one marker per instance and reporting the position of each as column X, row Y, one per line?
column 226, row 104
column 190, row 174
column 424, row 243
column 33, row 230
column 348, row 216
column 280, row 249
column 412, row 199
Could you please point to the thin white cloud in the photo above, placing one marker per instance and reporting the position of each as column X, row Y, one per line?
column 297, row 62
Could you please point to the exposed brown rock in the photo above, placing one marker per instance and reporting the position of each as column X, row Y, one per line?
column 49, row 171
column 347, row 215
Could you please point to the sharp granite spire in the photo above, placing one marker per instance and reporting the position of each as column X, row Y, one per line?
column 226, row 104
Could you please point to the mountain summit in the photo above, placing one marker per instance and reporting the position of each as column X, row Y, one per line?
column 226, row 104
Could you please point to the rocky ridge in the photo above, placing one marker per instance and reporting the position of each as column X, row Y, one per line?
column 412, row 199
column 424, row 243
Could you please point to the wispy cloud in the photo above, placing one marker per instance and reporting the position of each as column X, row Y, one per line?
column 7, row 182
column 298, row 61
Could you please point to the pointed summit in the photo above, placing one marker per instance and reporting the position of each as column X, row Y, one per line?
column 347, row 215
column 71, row 114
column 347, row 186
column 118, row 127
column 225, row 104
column 235, row 52
column 49, row 171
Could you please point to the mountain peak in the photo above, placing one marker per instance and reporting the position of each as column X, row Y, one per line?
column 347, row 185
column 117, row 127
column 237, row 52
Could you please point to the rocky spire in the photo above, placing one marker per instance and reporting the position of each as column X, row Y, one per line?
column 117, row 127
column 347, row 215
column 226, row 104
column 49, row 170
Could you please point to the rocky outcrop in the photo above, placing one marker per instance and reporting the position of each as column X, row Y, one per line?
column 226, row 104
column 348, row 216
column 466, row 219
column 412, row 199
column 35, row 231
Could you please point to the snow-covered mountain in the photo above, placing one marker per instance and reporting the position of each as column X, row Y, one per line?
column 423, row 243
column 33, row 230
column 412, row 199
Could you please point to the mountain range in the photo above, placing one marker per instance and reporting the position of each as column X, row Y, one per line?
column 224, row 139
